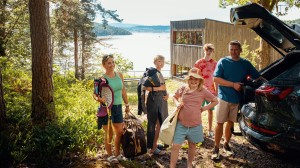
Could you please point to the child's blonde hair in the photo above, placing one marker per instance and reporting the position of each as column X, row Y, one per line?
column 158, row 57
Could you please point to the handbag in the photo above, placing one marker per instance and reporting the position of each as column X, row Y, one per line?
column 167, row 129
column 133, row 138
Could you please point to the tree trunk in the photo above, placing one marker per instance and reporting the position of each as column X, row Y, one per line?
column 76, row 53
column 42, row 87
column 2, row 105
column 2, row 54
column 83, row 57
column 2, row 26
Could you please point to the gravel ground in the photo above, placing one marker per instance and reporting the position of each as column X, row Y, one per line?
column 246, row 156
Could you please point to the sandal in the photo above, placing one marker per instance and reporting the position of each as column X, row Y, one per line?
column 158, row 152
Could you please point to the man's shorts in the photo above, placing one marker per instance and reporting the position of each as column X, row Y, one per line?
column 116, row 116
column 192, row 134
column 226, row 111
column 205, row 103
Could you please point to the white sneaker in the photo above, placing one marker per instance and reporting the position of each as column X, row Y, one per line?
column 121, row 157
column 210, row 134
column 112, row 159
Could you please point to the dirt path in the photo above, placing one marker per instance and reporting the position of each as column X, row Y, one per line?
column 246, row 156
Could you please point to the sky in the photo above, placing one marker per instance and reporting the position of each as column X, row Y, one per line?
column 161, row 12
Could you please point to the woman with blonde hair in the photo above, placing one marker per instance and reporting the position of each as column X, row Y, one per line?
column 116, row 82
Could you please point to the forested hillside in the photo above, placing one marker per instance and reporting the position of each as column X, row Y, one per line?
column 153, row 29
column 127, row 29
column 100, row 30
column 142, row 28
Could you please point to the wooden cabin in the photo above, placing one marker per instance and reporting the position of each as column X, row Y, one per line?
column 188, row 36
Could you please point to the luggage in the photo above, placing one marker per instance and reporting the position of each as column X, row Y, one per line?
column 133, row 139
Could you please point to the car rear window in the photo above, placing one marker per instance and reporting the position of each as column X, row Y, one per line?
column 290, row 77
column 276, row 37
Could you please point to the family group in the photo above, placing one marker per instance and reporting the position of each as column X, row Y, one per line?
column 210, row 86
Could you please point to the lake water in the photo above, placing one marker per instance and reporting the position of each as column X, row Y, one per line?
column 140, row 48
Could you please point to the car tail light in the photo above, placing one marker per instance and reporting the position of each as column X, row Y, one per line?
column 260, row 129
column 273, row 93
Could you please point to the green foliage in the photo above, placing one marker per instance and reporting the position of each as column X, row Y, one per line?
column 123, row 65
column 269, row 5
column 252, row 56
column 74, row 23
column 14, row 32
column 297, row 21
column 73, row 135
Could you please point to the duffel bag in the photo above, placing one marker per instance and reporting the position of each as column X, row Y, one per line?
column 133, row 138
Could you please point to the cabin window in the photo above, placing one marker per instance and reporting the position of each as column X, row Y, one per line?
column 188, row 37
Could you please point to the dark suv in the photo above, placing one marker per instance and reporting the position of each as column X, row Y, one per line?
column 270, row 113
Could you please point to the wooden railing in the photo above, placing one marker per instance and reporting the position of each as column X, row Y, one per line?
column 136, row 75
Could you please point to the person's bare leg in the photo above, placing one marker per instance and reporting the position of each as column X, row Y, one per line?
column 218, row 134
column 157, row 129
column 118, row 128
column 210, row 120
column 228, row 132
column 174, row 155
column 107, row 141
column 191, row 154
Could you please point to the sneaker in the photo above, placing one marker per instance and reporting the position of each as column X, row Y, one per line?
column 228, row 151
column 112, row 159
column 121, row 157
column 216, row 154
column 162, row 147
column 210, row 134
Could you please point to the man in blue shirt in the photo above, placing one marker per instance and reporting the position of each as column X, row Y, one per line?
column 229, row 74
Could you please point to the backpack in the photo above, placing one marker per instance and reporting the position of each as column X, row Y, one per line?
column 151, row 78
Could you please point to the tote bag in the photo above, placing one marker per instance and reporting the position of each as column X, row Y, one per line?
column 167, row 129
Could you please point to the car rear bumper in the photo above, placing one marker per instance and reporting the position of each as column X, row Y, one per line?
column 280, row 143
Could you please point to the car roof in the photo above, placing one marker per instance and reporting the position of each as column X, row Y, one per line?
column 282, row 37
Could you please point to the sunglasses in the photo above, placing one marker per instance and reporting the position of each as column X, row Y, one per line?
column 106, row 57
